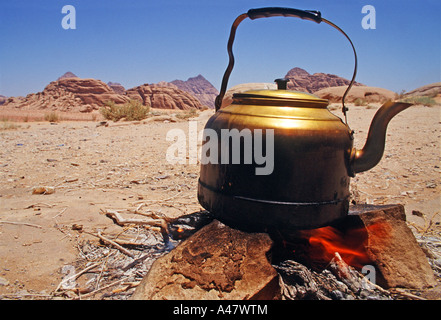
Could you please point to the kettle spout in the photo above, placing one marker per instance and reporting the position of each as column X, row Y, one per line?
column 372, row 152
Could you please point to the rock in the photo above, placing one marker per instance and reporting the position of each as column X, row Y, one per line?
column 301, row 80
column 417, row 213
column 200, row 87
column 366, row 94
column 43, row 190
column 392, row 247
column 216, row 262
column 160, row 97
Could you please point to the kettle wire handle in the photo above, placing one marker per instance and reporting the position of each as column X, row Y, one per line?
column 311, row 15
column 285, row 12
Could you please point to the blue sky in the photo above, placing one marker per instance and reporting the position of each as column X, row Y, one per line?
column 135, row 42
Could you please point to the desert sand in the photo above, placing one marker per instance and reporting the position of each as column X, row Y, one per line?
column 92, row 168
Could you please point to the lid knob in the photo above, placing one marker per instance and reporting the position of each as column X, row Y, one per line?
column 281, row 83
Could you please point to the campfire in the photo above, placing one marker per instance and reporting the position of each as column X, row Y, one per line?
column 371, row 254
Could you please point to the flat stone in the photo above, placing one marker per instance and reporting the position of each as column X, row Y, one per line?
column 217, row 262
column 392, row 247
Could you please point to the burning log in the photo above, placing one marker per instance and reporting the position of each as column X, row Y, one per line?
column 339, row 282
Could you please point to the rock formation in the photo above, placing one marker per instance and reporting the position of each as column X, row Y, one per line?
column 200, row 87
column 163, row 96
column 301, row 80
column 69, row 94
column 2, row 99
column 67, row 75
column 72, row 94
column 116, row 87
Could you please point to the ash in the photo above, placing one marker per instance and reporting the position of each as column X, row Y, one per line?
column 115, row 275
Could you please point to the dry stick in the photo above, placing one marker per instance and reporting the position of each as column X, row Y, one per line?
column 40, row 204
column 128, row 285
column 20, row 295
column 22, row 223
column 430, row 223
column 407, row 294
column 161, row 223
column 113, row 243
column 60, row 213
column 102, row 288
column 118, row 241
column 102, row 270
column 151, row 214
column 77, row 275
column 121, row 221
column 135, row 262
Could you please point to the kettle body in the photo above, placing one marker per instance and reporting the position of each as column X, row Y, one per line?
column 310, row 151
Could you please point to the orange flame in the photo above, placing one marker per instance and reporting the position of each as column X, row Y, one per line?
column 351, row 245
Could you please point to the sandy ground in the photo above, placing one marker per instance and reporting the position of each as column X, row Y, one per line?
column 118, row 167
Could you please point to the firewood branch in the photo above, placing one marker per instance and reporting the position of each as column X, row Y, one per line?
column 116, row 216
column 116, row 245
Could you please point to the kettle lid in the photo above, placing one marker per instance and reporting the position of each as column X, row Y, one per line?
column 280, row 97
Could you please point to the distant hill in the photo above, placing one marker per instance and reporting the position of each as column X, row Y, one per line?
column 359, row 94
column 67, row 75
column 430, row 90
column 301, row 80
column 117, row 87
column 69, row 94
column 72, row 94
column 163, row 97
column 2, row 99
column 200, row 87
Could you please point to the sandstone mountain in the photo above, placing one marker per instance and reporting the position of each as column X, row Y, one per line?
column 67, row 75
column 163, row 96
column 116, row 87
column 69, row 94
column 200, row 87
column 72, row 94
column 301, row 80
column 2, row 99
